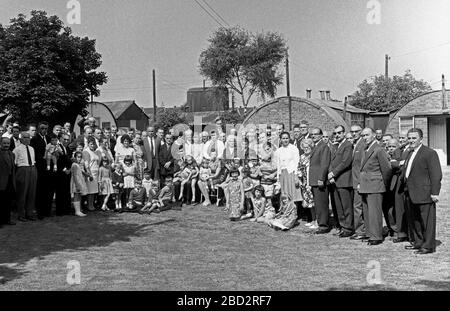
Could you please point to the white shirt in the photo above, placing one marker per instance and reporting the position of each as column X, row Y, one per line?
column 152, row 142
column 6, row 134
column 17, row 142
column 410, row 161
column 287, row 158
column 21, row 157
column 219, row 150
column 188, row 148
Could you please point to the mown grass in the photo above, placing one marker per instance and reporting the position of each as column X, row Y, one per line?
column 199, row 249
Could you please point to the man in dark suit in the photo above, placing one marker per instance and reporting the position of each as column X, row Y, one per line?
column 165, row 159
column 7, row 182
column 151, row 146
column 15, row 139
column 318, row 171
column 421, row 177
column 340, row 177
column 111, row 141
column 358, row 152
column 395, row 196
column 62, row 188
column 43, row 196
column 373, row 182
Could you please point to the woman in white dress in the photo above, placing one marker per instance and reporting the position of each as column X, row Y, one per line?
column 287, row 159
column 91, row 163
column 125, row 149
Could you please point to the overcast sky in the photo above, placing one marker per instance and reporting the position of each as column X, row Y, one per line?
column 331, row 44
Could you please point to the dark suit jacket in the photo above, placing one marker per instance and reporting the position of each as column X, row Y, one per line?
column 319, row 163
column 6, row 165
column 38, row 143
column 375, row 170
column 425, row 176
column 65, row 160
column 399, row 155
column 148, row 153
column 358, row 153
column 341, row 164
column 164, row 156
column 12, row 144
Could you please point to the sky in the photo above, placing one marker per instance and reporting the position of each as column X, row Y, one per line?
column 331, row 43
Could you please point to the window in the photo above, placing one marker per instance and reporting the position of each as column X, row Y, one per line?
column 357, row 119
column 405, row 123
column 133, row 123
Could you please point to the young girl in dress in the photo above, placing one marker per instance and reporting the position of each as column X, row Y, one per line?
column 248, row 189
column 117, row 182
column 190, row 162
column 129, row 173
column 104, row 182
column 205, row 176
column 183, row 176
column 263, row 210
column 235, row 189
column 286, row 216
column 78, row 186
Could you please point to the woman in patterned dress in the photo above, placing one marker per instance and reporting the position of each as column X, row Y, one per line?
column 308, row 199
column 139, row 154
column 91, row 163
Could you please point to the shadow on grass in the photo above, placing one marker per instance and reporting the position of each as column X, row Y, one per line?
column 21, row 243
column 436, row 285
column 376, row 287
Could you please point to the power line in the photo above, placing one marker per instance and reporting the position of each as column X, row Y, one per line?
column 422, row 50
column 204, row 9
column 221, row 18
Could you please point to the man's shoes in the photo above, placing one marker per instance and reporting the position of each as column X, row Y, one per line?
column 346, row 234
column 357, row 237
column 338, row 232
column 412, row 247
column 400, row 240
column 322, row 231
column 424, row 251
column 374, row 242
column 22, row 219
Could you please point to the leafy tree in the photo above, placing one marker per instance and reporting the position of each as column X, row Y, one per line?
column 46, row 73
column 373, row 94
column 232, row 117
column 244, row 62
column 168, row 118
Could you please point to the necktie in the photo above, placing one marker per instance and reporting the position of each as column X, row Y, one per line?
column 29, row 156
column 45, row 140
column 153, row 148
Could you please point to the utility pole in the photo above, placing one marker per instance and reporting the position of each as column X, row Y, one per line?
column 288, row 90
column 232, row 100
column 444, row 93
column 154, row 96
column 386, row 77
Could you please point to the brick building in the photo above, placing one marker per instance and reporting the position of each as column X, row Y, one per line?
column 430, row 112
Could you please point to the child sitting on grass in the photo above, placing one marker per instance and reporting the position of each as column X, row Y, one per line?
column 263, row 210
column 138, row 197
column 166, row 196
column 235, row 189
column 153, row 203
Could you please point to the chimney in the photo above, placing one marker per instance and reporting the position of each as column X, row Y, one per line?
column 328, row 95
column 308, row 93
column 444, row 93
column 322, row 95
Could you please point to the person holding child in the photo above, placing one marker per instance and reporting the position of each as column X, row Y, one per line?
column 52, row 152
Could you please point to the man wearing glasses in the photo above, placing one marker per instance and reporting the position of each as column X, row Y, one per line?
column 43, row 198
column 340, row 178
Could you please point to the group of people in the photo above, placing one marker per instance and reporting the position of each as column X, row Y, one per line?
column 265, row 175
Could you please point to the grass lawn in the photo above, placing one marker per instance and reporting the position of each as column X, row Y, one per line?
column 199, row 249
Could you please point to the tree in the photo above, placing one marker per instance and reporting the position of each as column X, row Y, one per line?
column 46, row 73
column 373, row 94
column 232, row 117
column 244, row 62
column 168, row 118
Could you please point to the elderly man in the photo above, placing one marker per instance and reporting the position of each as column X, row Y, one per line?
column 62, row 184
column 385, row 140
column 26, row 178
column 151, row 146
column 373, row 182
column 213, row 144
column 165, row 158
column 7, row 182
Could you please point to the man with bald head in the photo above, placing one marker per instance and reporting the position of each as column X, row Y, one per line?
column 151, row 146
column 375, row 173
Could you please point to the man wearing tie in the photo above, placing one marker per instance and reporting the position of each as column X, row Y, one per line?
column 422, row 184
column 151, row 147
column 26, row 178
column 166, row 159
column 62, row 187
column 375, row 173
column 43, row 198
